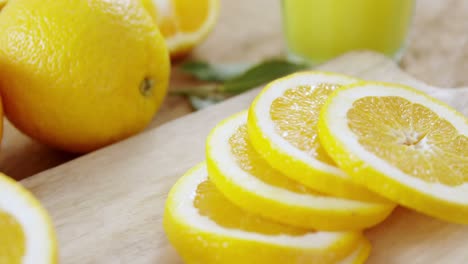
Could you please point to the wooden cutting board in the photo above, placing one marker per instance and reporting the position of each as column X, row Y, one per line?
column 108, row 205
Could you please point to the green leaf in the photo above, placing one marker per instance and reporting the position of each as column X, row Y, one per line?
column 261, row 73
column 237, row 79
column 208, row 90
column 213, row 72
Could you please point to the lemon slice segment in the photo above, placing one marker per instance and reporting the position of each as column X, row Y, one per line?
column 26, row 232
column 205, row 227
column 248, row 181
column 402, row 144
column 185, row 23
column 282, row 126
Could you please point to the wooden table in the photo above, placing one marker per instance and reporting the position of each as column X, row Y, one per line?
column 249, row 30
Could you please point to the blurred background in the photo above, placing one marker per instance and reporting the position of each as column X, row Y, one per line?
column 439, row 33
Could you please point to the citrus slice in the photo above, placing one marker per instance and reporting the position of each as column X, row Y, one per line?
column 185, row 23
column 402, row 144
column 282, row 126
column 26, row 232
column 204, row 227
column 248, row 181
column 359, row 255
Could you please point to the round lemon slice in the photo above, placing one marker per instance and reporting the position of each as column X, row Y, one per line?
column 402, row 144
column 282, row 125
column 26, row 232
column 204, row 227
column 248, row 181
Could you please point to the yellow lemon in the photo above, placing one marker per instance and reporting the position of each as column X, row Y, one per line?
column 184, row 23
column 248, row 181
column 282, row 126
column 402, row 144
column 26, row 231
column 204, row 227
column 79, row 75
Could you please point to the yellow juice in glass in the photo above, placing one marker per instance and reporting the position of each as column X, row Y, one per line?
column 318, row 30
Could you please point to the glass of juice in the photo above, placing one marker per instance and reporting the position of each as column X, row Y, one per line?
column 319, row 30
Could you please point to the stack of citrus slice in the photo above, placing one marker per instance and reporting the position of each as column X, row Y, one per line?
column 318, row 158
column 205, row 227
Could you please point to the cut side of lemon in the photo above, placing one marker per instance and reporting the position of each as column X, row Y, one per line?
column 402, row 144
column 282, row 126
column 185, row 23
column 204, row 227
column 248, row 181
column 26, row 232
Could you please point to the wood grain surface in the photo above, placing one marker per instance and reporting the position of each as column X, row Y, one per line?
column 250, row 30
column 108, row 205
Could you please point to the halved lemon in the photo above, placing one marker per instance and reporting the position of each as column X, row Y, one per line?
column 402, row 144
column 26, row 232
column 248, row 181
column 204, row 227
column 282, row 126
column 185, row 23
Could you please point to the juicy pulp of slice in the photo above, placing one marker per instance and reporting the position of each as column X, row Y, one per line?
column 412, row 138
column 12, row 240
column 191, row 14
column 211, row 203
column 250, row 161
column 186, row 16
column 295, row 115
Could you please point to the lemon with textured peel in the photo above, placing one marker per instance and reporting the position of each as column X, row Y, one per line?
column 205, row 227
column 80, row 75
column 402, row 144
column 248, row 181
column 185, row 23
column 282, row 126
column 26, row 231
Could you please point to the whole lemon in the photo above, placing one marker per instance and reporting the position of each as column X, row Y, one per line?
column 79, row 74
